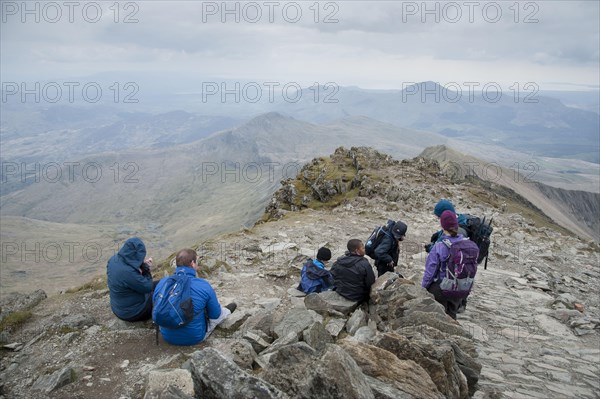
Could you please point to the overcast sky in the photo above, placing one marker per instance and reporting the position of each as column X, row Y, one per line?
column 378, row 45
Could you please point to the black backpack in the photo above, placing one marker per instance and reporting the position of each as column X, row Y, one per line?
column 376, row 237
column 479, row 232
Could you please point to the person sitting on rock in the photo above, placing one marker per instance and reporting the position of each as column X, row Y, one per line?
column 314, row 277
column 130, row 282
column 435, row 265
column 353, row 274
column 388, row 250
column 204, row 300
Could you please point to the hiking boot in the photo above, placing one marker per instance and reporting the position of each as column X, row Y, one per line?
column 232, row 306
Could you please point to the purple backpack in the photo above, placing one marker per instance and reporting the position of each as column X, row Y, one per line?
column 461, row 267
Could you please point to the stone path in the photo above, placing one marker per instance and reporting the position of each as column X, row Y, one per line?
column 524, row 351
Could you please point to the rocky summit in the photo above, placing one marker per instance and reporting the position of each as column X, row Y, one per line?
column 531, row 328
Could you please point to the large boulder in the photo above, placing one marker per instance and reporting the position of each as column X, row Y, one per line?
column 217, row 377
column 437, row 359
column 301, row 372
column 404, row 375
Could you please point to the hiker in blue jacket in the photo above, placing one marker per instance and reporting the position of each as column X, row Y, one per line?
column 205, row 304
column 314, row 277
column 435, row 265
column 130, row 282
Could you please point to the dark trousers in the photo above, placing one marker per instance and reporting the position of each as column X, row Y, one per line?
column 450, row 305
column 383, row 268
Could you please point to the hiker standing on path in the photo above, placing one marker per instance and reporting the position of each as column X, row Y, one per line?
column 438, row 260
column 388, row 250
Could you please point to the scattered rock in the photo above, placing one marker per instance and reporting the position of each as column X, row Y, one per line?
column 172, row 383
column 56, row 380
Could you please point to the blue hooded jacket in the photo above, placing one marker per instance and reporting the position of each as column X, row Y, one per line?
column 129, row 289
column 205, row 302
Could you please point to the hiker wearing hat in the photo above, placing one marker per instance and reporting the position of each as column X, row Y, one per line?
column 440, row 207
column 387, row 252
column 435, row 265
column 314, row 277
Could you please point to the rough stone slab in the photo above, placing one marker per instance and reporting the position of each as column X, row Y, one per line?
column 382, row 390
column 325, row 301
column 296, row 320
column 356, row 321
column 384, row 281
column 302, row 372
column 317, row 337
column 238, row 350
column 335, row 327
column 280, row 342
column 236, row 319
column 159, row 382
column 293, row 292
column 268, row 303
column 218, row 377
column 58, row 379
column 257, row 340
column 365, row 334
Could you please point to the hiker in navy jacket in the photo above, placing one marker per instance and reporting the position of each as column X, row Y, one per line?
column 130, row 282
column 352, row 273
column 314, row 277
column 205, row 303
column 435, row 265
column 387, row 252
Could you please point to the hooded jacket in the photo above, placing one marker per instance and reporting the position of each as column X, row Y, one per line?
column 353, row 277
column 435, row 265
column 130, row 290
column 205, row 302
column 314, row 277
